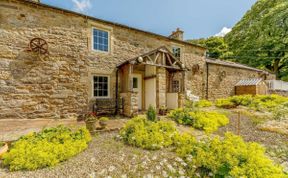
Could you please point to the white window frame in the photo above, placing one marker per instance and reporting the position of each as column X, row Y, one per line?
column 108, row 85
column 92, row 39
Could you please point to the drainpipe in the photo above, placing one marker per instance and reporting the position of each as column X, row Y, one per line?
column 207, row 80
column 116, row 93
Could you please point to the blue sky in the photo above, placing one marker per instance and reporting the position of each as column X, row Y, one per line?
column 198, row 18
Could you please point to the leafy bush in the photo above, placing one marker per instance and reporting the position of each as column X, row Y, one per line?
column 228, row 157
column 181, row 116
column 243, row 100
column 281, row 112
column 151, row 114
column 46, row 148
column 258, row 102
column 208, row 121
column 225, row 103
column 141, row 132
column 2, row 144
column 203, row 104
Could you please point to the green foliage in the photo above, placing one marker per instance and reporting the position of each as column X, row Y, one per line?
column 217, row 47
column 2, row 144
column 203, row 104
column 151, row 114
column 141, row 132
column 258, row 102
column 204, row 120
column 104, row 119
column 225, row 103
column 46, row 148
column 281, row 112
column 259, row 38
column 228, row 157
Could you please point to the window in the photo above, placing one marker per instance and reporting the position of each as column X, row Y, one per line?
column 176, row 51
column 175, row 86
column 135, row 82
column 101, row 86
column 100, row 40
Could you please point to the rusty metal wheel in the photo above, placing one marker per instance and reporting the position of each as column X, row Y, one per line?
column 38, row 45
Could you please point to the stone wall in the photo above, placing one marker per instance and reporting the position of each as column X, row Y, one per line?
column 161, row 87
column 279, row 92
column 59, row 84
column 222, row 80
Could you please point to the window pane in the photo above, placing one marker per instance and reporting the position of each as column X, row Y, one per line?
column 100, row 86
column 100, row 38
column 135, row 82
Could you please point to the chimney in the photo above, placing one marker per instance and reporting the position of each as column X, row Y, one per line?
column 38, row 1
column 178, row 34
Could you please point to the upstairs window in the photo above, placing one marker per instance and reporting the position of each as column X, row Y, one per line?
column 176, row 51
column 100, row 40
column 101, row 86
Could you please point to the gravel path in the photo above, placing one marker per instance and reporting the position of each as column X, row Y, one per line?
column 249, row 132
column 108, row 157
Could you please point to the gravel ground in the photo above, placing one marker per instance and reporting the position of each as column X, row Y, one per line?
column 275, row 143
column 250, row 132
column 107, row 157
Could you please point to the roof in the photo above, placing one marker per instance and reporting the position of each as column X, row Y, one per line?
column 249, row 82
column 173, row 62
column 232, row 64
column 109, row 22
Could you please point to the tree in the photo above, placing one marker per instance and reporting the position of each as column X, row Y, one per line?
column 217, row 48
column 260, row 38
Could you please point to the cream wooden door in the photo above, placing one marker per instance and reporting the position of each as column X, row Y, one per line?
column 137, row 87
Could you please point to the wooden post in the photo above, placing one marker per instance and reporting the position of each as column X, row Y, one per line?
column 238, row 122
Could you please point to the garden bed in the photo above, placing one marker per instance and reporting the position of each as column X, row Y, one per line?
column 107, row 157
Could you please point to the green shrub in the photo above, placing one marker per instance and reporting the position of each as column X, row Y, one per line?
column 225, row 103
column 207, row 121
column 181, row 116
column 280, row 112
column 203, row 104
column 228, row 157
column 243, row 100
column 2, row 144
column 141, row 132
column 46, row 148
column 151, row 114
column 258, row 102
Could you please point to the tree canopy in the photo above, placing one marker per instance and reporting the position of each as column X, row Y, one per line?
column 260, row 38
column 217, row 48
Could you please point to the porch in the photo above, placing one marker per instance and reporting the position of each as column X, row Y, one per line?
column 155, row 78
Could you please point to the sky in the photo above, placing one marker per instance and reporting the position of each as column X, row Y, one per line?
column 197, row 18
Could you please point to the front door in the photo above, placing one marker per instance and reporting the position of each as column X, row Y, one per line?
column 137, row 87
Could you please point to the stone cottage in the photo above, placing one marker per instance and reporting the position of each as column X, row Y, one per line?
column 56, row 63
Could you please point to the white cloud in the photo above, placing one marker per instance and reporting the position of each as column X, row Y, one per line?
column 81, row 5
column 223, row 32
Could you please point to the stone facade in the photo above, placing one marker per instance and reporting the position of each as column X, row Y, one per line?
column 60, row 84
column 222, row 80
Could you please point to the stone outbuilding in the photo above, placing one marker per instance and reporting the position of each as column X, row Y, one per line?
column 253, row 86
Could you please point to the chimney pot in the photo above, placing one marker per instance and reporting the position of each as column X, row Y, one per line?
column 178, row 34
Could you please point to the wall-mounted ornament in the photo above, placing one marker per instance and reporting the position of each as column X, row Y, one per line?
column 222, row 75
column 195, row 68
column 38, row 45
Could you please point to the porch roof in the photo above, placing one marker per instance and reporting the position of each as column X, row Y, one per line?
column 160, row 57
